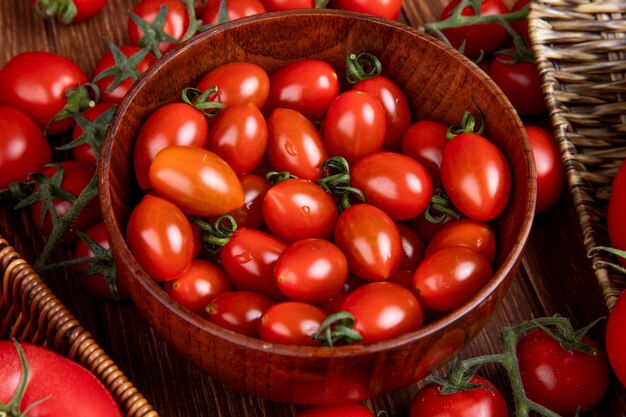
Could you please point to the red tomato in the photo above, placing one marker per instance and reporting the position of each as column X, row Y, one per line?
column 295, row 145
column 616, row 338
column 383, row 310
column 239, row 136
column 343, row 410
column 560, row 380
column 198, row 285
column 76, row 176
column 23, row 147
column 172, row 124
column 370, row 240
column 196, row 180
column 412, row 247
column 126, row 73
column 470, row 233
column 36, row 83
column 238, row 83
column 425, row 141
column 478, row 39
column 354, row 126
column 291, row 323
column 85, row 152
column 395, row 105
column 250, row 214
column 297, row 209
column 308, row 86
column 617, row 207
column 276, row 5
column 476, row 176
column 175, row 24
column 389, row 9
column 249, row 259
column 550, row 170
column 96, row 284
column 395, row 183
column 65, row 13
column 238, row 311
column 160, row 237
column 477, row 402
column 520, row 82
column 236, row 9
column 311, row 270
column 450, row 277
column 57, row 386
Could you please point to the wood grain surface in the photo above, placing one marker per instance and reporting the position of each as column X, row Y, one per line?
column 555, row 276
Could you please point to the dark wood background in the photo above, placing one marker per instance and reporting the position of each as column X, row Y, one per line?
column 555, row 276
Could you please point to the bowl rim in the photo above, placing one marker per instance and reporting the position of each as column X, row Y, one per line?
column 446, row 321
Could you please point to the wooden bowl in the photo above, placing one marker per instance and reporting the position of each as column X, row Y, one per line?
column 440, row 85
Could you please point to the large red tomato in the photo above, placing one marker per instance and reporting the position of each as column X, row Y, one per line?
column 291, row 323
column 23, row 147
column 550, row 170
column 36, row 83
column 470, row 233
column 477, row 402
column 617, row 207
column 56, row 387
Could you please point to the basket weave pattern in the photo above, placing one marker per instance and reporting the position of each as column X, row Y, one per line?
column 580, row 46
column 30, row 312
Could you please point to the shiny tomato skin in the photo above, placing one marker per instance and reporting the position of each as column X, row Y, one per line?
column 175, row 25
column 172, row 124
column 238, row 311
column 249, row 259
column 395, row 183
column 560, row 380
column 478, row 38
column 84, row 10
column 250, row 214
column 196, row 180
column 95, row 284
column 425, row 141
column 291, row 323
column 239, row 136
column 35, row 83
column 476, row 176
column 276, row 5
column 383, row 310
column 236, row 9
column 473, row 234
column 160, row 237
column 354, row 126
column 412, row 247
column 478, row 402
column 395, row 105
column 195, row 288
column 23, row 147
column 450, row 277
column 616, row 338
column 550, row 170
column 342, row 410
column 297, row 209
column 76, row 176
column 116, row 94
column 389, row 9
column 308, row 86
column 238, row 83
column 520, row 82
column 370, row 240
column 311, row 270
column 84, row 152
column 295, row 145
column 617, row 207
column 63, row 383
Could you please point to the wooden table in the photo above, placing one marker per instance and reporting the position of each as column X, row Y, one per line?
column 555, row 276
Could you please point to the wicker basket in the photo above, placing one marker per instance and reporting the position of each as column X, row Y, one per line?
column 580, row 47
column 30, row 312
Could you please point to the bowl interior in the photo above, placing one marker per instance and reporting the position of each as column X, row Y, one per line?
column 440, row 85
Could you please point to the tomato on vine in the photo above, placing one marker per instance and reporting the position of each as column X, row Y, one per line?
column 158, row 25
column 235, row 9
column 69, row 11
